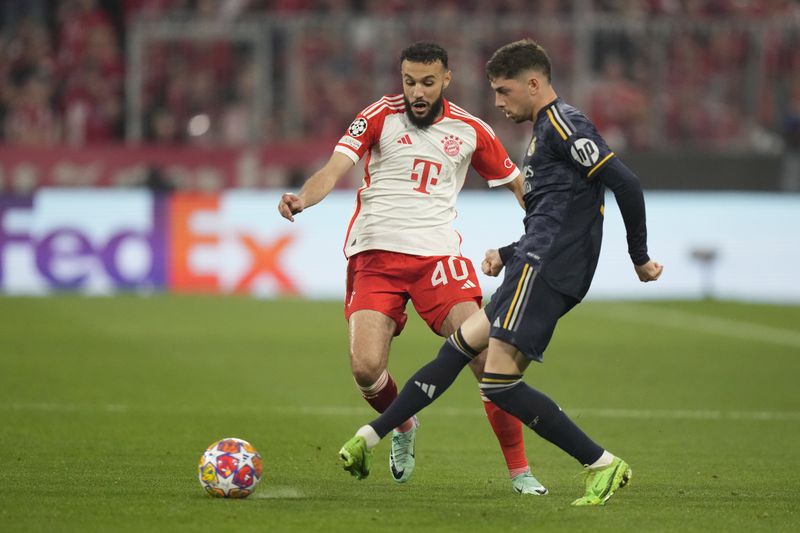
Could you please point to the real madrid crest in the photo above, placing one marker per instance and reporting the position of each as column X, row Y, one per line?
column 532, row 146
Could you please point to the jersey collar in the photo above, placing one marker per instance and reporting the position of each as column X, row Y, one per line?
column 543, row 111
column 445, row 111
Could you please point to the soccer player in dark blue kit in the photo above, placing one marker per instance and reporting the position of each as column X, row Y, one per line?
column 567, row 168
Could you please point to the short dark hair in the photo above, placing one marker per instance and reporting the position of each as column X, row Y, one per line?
column 515, row 58
column 424, row 52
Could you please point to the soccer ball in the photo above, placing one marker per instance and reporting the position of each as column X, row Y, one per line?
column 230, row 468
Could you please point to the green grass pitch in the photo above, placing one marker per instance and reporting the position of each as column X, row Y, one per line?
column 107, row 403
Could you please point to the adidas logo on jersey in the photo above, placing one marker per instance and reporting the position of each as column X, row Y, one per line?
column 405, row 139
column 427, row 389
column 468, row 285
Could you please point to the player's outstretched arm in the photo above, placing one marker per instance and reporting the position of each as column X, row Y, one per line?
column 630, row 199
column 316, row 187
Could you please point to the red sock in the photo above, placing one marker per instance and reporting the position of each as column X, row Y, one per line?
column 509, row 433
column 381, row 394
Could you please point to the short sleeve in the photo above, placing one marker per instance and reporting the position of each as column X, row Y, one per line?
column 359, row 137
column 491, row 160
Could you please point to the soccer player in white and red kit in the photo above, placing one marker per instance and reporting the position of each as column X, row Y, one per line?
column 400, row 245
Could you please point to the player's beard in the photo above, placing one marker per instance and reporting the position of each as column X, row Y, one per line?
column 428, row 118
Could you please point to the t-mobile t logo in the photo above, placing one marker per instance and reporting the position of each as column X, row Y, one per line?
column 425, row 178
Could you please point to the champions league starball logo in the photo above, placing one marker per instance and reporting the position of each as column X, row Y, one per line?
column 358, row 127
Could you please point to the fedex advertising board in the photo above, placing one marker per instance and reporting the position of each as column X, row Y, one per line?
column 101, row 241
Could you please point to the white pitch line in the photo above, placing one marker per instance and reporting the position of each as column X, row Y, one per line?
column 685, row 414
column 641, row 414
column 591, row 412
column 46, row 407
column 655, row 316
column 277, row 493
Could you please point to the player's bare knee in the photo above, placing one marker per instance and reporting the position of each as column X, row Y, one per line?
column 477, row 364
column 366, row 371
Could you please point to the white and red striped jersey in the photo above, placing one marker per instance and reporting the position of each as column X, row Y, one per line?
column 412, row 176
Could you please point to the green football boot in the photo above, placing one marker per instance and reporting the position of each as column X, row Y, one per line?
column 401, row 454
column 525, row 483
column 602, row 483
column 356, row 457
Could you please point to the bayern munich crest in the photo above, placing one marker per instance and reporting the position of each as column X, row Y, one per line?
column 358, row 127
column 452, row 145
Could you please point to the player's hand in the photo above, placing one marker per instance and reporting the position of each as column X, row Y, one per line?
column 492, row 264
column 290, row 205
column 649, row 271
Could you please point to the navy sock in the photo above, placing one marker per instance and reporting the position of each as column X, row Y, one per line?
column 540, row 413
column 426, row 385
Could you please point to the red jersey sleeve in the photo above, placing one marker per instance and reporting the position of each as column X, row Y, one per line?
column 490, row 159
column 364, row 131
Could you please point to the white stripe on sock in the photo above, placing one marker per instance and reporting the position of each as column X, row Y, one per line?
column 371, row 391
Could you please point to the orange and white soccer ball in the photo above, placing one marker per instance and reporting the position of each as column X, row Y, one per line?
column 230, row 468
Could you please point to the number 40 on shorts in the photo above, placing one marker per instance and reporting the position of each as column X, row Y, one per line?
column 456, row 267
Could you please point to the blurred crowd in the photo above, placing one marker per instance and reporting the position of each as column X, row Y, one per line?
column 725, row 82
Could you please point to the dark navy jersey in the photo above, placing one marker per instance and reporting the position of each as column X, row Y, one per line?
column 564, row 198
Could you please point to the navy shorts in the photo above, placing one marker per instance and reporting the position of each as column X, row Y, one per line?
column 524, row 310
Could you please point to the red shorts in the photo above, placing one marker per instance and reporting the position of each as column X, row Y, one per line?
column 385, row 281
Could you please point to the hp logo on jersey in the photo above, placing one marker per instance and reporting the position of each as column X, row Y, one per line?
column 585, row 152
